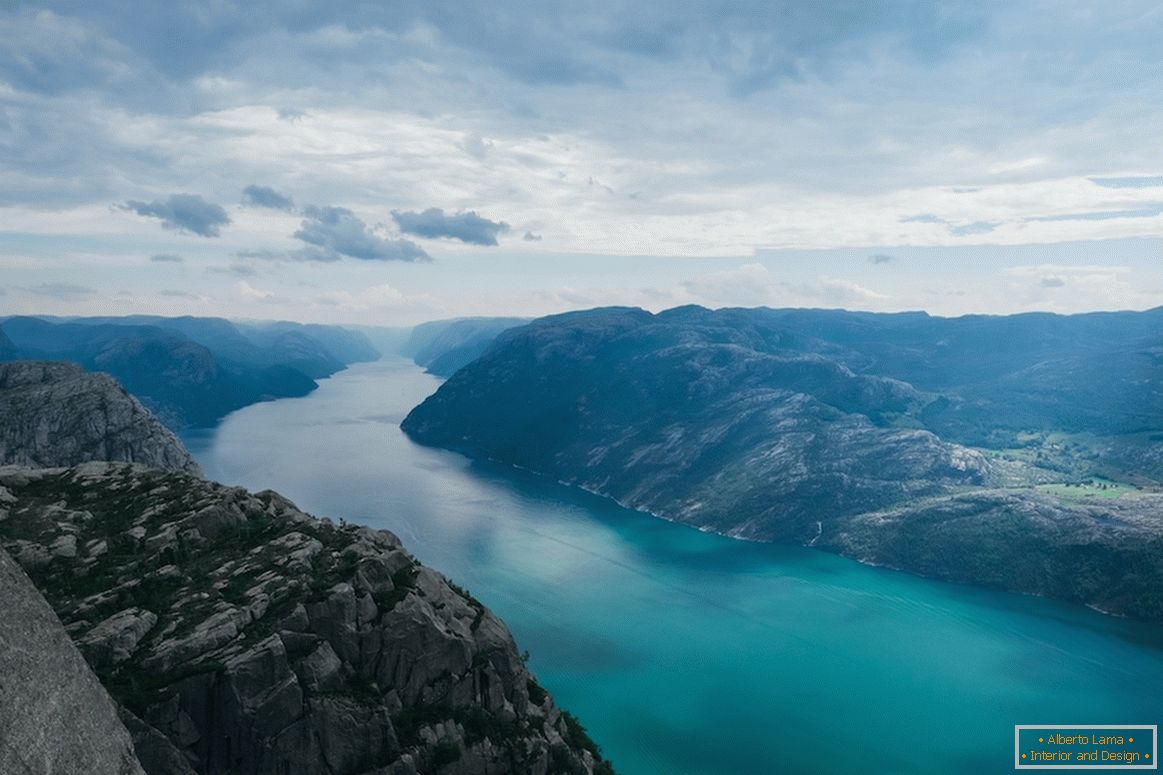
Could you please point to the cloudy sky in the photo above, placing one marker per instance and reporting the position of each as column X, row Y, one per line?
column 397, row 162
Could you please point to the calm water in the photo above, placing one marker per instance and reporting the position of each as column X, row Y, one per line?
column 684, row 652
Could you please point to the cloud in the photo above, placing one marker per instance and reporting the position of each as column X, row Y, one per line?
column 250, row 293
column 531, row 237
column 475, row 145
column 335, row 232
column 63, row 291
column 264, row 196
column 291, row 115
column 977, row 227
column 465, row 226
column 167, row 258
column 183, row 212
column 1051, row 281
column 177, row 294
column 923, row 218
column 880, row 258
column 1133, row 181
column 1103, row 215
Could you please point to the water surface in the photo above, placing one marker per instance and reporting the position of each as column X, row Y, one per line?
column 684, row 652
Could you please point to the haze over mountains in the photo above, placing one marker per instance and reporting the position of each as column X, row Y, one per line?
column 962, row 448
column 192, row 371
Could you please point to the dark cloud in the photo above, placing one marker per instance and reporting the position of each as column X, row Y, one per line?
column 64, row 291
column 167, row 258
column 466, row 226
column 183, row 212
column 177, row 294
column 1051, row 281
column 977, row 227
column 880, row 258
column 265, row 196
column 334, row 232
column 1136, row 181
column 531, row 237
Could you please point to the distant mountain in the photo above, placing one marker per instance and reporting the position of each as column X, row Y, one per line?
column 801, row 426
column 56, row 415
column 193, row 371
column 8, row 350
column 443, row 346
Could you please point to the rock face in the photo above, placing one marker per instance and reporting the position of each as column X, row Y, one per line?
column 55, row 414
column 54, row 715
column 795, row 425
column 243, row 636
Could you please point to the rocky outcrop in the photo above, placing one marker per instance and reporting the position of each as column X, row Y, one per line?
column 241, row 635
column 56, row 414
column 54, row 715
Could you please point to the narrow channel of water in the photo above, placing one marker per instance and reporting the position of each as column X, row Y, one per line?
column 684, row 652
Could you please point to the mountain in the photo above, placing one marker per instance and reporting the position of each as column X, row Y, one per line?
column 55, row 715
column 443, row 346
column 799, row 426
column 57, row 415
column 194, row 371
column 232, row 632
column 8, row 350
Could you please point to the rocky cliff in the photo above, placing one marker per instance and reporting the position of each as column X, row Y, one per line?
column 54, row 715
column 56, row 414
column 241, row 635
column 776, row 425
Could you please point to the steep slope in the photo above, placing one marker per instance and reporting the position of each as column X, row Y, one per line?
column 728, row 422
column 54, row 715
column 247, row 637
column 56, row 414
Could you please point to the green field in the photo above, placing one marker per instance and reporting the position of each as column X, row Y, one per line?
column 1089, row 488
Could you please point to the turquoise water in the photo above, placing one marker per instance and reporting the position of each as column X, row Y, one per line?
column 684, row 652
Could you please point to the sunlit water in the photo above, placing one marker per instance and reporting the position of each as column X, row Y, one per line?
column 684, row 652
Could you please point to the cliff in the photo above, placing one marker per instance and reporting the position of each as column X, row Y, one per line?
column 56, row 414
column 244, row 636
column 54, row 715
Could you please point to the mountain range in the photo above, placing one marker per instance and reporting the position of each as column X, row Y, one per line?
column 974, row 449
column 191, row 371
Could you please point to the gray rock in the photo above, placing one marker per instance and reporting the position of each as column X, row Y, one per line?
column 56, row 414
column 54, row 715
column 115, row 639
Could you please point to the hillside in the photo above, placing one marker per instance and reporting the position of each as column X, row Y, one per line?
column 798, row 426
column 443, row 346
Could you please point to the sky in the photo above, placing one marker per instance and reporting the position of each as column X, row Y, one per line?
column 389, row 163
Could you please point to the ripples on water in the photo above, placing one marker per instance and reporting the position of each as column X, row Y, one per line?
column 684, row 652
